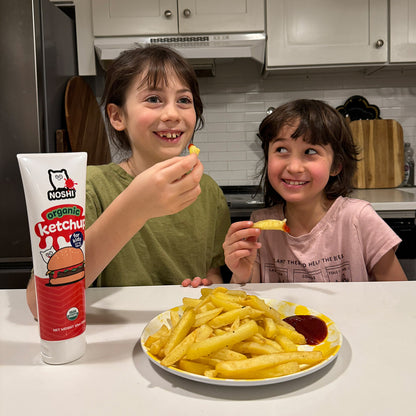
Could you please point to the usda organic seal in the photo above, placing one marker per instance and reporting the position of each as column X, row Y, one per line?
column 72, row 314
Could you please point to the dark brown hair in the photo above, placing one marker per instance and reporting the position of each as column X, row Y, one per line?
column 319, row 124
column 154, row 62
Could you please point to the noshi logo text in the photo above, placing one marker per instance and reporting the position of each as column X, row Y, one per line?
column 63, row 186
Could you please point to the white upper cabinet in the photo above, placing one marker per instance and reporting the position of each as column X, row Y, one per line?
column 326, row 32
column 167, row 17
column 402, row 31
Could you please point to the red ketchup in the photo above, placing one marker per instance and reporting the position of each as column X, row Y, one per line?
column 314, row 329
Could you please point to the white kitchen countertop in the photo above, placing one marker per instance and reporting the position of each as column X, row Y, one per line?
column 390, row 199
column 373, row 374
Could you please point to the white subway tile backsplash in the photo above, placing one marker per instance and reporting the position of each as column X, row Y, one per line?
column 236, row 100
column 222, row 117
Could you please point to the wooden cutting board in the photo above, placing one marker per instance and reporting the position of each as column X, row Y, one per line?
column 381, row 153
column 85, row 124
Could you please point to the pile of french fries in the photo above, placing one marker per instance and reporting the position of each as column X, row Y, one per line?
column 229, row 334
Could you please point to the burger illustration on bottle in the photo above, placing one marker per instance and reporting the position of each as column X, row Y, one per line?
column 66, row 266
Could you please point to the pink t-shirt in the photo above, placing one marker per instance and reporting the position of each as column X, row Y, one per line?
column 343, row 247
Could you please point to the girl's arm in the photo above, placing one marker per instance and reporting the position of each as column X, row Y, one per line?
column 388, row 268
column 164, row 189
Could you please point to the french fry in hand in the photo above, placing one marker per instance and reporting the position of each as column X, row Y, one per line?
column 193, row 149
column 272, row 225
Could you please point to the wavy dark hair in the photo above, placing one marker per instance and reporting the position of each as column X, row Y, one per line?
column 155, row 63
column 319, row 124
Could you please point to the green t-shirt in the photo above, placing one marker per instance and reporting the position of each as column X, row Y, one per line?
column 166, row 250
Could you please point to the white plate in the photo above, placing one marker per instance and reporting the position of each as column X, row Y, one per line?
column 330, row 347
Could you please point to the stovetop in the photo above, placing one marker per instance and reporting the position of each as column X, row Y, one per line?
column 243, row 197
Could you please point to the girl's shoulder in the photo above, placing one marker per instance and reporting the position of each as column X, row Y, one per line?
column 352, row 205
column 100, row 170
column 353, row 211
column 210, row 187
column 109, row 171
column 107, row 176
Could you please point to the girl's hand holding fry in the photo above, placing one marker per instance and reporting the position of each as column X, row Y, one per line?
column 240, row 249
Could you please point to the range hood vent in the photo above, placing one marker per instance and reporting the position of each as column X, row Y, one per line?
column 196, row 48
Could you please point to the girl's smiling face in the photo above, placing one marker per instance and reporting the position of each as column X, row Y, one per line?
column 159, row 121
column 298, row 170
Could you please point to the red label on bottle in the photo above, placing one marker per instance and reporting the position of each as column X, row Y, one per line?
column 61, row 309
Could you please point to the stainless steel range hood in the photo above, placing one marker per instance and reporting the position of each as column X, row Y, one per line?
column 197, row 48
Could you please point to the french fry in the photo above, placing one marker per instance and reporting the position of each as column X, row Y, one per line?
column 243, row 368
column 256, row 348
column 261, row 305
column 277, row 371
column 286, row 343
column 226, row 354
column 270, row 327
column 206, row 291
column 180, row 331
column 191, row 302
column 203, row 317
column 203, row 332
column 193, row 149
column 272, row 225
column 193, row 367
column 292, row 334
column 210, row 373
column 179, row 351
column 213, row 344
column 230, row 316
column 224, row 302
column 162, row 331
column 174, row 317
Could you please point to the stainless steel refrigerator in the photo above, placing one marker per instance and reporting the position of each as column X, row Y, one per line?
column 38, row 57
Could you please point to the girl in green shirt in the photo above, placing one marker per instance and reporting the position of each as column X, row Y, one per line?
column 154, row 218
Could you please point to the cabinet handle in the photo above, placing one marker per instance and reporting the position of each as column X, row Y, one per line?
column 379, row 43
column 187, row 13
column 168, row 14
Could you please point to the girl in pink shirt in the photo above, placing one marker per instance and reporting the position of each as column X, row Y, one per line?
column 310, row 161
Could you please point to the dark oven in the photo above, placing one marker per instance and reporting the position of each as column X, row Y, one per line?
column 404, row 226
column 242, row 201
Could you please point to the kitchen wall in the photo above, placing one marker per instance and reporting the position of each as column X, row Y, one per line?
column 237, row 98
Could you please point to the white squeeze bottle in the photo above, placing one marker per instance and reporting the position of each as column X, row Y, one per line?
column 54, row 186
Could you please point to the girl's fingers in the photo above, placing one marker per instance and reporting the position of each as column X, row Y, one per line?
column 206, row 282
column 197, row 281
column 241, row 230
column 177, row 168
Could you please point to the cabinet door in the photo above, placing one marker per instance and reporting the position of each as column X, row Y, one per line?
column 134, row 17
column 403, row 31
column 210, row 16
column 326, row 32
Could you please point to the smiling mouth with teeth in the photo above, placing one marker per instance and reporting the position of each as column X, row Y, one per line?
column 294, row 182
column 169, row 135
